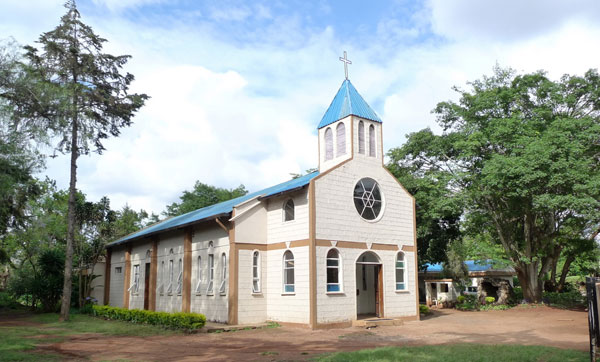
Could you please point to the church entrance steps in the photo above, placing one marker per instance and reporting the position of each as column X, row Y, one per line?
column 375, row 322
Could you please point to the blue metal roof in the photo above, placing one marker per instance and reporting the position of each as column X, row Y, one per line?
column 221, row 209
column 347, row 101
column 472, row 265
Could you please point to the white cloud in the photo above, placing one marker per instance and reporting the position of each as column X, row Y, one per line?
column 117, row 5
column 226, row 112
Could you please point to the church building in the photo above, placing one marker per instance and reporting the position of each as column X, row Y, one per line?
column 321, row 250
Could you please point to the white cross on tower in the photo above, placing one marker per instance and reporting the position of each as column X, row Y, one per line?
column 346, row 62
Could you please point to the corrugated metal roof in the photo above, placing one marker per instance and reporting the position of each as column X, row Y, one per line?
column 221, row 209
column 347, row 101
column 472, row 265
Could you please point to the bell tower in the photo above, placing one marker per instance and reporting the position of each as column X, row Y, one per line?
column 349, row 128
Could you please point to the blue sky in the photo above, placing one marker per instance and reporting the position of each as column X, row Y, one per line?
column 238, row 87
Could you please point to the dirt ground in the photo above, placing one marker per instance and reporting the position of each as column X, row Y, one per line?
column 527, row 326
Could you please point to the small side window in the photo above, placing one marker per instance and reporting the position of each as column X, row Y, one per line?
column 288, row 210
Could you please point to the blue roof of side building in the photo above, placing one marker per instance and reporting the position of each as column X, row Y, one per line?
column 347, row 101
column 472, row 266
column 221, row 209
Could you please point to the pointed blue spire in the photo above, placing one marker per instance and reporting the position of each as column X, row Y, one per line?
column 347, row 101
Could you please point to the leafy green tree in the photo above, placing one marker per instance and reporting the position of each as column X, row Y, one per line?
column 80, row 97
column 201, row 196
column 522, row 150
column 439, row 207
column 18, row 159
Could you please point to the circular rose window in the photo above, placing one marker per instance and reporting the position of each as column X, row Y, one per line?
column 367, row 198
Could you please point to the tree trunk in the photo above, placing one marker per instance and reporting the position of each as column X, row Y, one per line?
column 530, row 283
column 565, row 271
column 66, row 297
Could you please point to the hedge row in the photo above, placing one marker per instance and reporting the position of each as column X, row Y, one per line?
column 180, row 320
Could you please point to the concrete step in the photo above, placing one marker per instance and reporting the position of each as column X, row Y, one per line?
column 375, row 322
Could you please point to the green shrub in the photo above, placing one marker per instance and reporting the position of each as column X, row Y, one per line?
column 516, row 297
column 572, row 299
column 7, row 301
column 424, row 310
column 495, row 307
column 461, row 299
column 467, row 306
column 187, row 321
column 489, row 300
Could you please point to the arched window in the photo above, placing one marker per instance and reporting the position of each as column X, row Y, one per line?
column 400, row 271
column 180, row 277
column 288, row 210
column 222, row 287
column 288, row 272
column 162, row 276
column 333, row 271
column 211, row 273
column 371, row 141
column 340, row 138
column 170, row 286
column 256, row 272
column 361, row 137
column 328, row 144
column 198, row 275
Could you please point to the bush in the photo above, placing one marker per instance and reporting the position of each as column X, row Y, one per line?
column 424, row 310
column 572, row 299
column 186, row 321
column 489, row 300
column 7, row 301
column 467, row 302
column 516, row 296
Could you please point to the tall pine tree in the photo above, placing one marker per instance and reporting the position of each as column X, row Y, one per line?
column 80, row 96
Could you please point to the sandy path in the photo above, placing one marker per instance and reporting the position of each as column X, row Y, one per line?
column 527, row 326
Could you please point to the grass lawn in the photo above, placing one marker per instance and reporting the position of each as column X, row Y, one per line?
column 461, row 353
column 17, row 342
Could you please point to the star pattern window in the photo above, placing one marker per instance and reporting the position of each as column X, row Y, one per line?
column 367, row 198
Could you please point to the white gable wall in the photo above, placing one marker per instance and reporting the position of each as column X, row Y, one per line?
column 281, row 231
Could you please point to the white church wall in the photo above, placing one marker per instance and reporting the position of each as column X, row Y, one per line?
column 336, row 215
column 288, row 307
column 279, row 230
column 97, row 284
column 377, row 142
column 251, row 224
column 326, row 165
column 213, row 305
column 138, row 257
column 117, row 276
column 399, row 303
column 335, row 307
column 165, row 301
column 252, row 307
